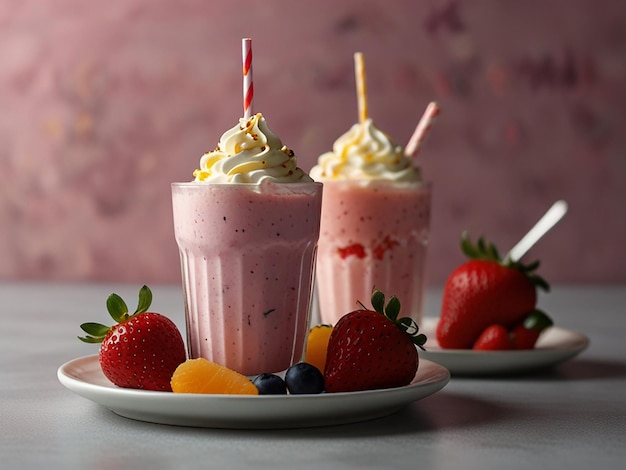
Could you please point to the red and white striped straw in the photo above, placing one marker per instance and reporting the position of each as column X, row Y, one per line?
column 423, row 126
column 361, row 88
column 248, row 85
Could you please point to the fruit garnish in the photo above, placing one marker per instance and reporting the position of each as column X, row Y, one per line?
column 317, row 346
column 304, row 378
column 142, row 349
column 525, row 334
column 373, row 349
column 494, row 338
column 489, row 252
column 355, row 249
column 392, row 312
column 203, row 376
column 485, row 291
column 270, row 384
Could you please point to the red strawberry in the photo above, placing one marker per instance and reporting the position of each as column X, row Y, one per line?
column 526, row 333
column 372, row 349
column 483, row 292
column 494, row 338
column 142, row 350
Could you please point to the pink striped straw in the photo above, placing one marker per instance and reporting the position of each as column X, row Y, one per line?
column 248, row 85
column 423, row 126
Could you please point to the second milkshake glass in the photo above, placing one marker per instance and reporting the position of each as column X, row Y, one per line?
column 247, row 260
column 373, row 234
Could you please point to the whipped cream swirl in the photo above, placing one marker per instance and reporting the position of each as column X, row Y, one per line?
column 365, row 153
column 250, row 153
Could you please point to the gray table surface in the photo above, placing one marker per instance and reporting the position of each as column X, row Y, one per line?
column 570, row 416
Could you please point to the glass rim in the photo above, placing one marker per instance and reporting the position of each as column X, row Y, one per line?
column 247, row 185
column 378, row 183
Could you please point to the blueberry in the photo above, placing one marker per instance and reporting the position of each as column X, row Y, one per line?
column 270, row 384
column 304, row 378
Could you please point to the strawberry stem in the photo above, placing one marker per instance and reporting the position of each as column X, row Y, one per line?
column 118, row 310
column 393, row 308
column 378, row 300
column 145, row 299
column 392, row 312
column 537, row 320
column 488, row 252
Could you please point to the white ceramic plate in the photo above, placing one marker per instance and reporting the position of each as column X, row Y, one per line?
column 84, row 377
column 555, row 345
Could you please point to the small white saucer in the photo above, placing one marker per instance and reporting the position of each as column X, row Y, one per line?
column 84, row 377
column 555, row 345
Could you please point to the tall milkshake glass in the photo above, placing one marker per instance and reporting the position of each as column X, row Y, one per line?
column 373, row 234
column 375, row 216
column 247, row 229
column 247, row 256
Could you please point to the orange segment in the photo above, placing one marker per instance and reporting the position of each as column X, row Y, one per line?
column 203, row 376
column 317, row 346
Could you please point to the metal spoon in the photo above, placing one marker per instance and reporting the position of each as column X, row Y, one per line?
column 549, row 220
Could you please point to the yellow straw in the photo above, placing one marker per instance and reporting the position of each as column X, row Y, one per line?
column 359, row 71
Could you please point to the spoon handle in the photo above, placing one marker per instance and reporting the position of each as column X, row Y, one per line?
column 549, row 220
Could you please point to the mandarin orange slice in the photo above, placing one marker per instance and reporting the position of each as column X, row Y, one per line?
column 317, row 346
column 203, row 376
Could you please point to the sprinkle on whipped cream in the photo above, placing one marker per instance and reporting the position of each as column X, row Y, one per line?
column 250, row 153
column 365, row 153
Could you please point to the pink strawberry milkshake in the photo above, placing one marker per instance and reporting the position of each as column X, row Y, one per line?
column 247, row 231
column 375, row 224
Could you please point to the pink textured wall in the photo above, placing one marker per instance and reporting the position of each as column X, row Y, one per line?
column 103, row 104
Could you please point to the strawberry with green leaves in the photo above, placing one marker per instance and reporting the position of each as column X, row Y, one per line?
column 526, row 333
column 142, row 350
column 523, row 335
column 485, row 291
column 372, row 349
